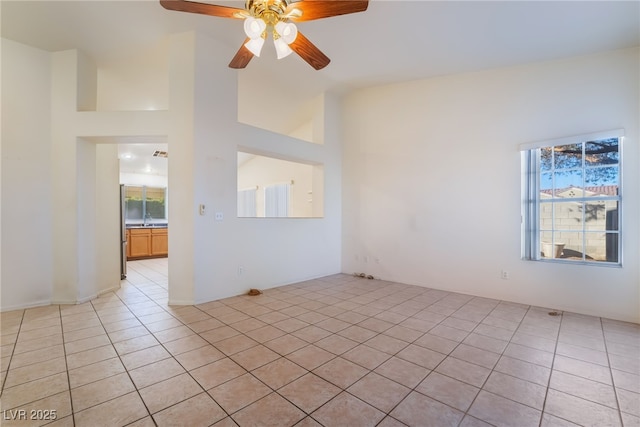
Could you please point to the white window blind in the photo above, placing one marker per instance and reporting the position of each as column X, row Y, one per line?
column 276, row 199
column 247, row 203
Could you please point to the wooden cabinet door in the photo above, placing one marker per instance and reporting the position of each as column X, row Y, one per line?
column 159, row 241
column 140, row 242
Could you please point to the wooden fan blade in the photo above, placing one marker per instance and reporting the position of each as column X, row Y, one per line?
column 309, row 52
column 242, row 58
column 318, row 9
column 202, row 8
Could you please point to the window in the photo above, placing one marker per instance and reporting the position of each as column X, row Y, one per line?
column 145, row 204
column 572, row 199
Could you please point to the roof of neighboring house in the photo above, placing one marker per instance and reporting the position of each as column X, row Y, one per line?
column 603, row 190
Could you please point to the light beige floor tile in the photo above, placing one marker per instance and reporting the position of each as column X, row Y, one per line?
column 127, row 334
column 271, row 410
column 502, row 412
column 365, row 321
column 520, row 369
column 35, row 371
column 279, row 373
column 255, row 357
column 40, row 333
column 205, row 325
column 117, row 412
column 218, row 372
column 169, row 392
column 436, row 343
column 379, row 392
column 172, row 334
column 200, row 410
column 155, row 372
column 239, row 392
column 513, row 388
column 23, row 346
column 144, row 357
column 35, row 356
column 310, row 357
column 82, row 333
column 309, row 392
column 95, row 372
column 583, row 388
column 629, row 402
column 199, row 357
column 86, row 343
column 403, row 372
column 586, row 370
column 448, row 391
column 247, row 325
column 549, row 420
column 235, row 344
column 626, row 380
column 341, row 372
column 34, row 390
column 421, row 356
column 87, row 357
column 290, row 325
column 402, row 333
column 286, row 344
column 40, row 412
column 366, row 357
column 183, row 345
column 580, row 411
column 476, row 355
column 386, row 344
column 333, row 325
column 219, row 334
column 311, row 333
column 467, row 372
column 100, row 391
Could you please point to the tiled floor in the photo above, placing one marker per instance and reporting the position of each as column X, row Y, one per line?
column 337, row 351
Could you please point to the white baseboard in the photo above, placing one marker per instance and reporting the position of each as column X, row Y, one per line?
column 25, row 306
column 179, row 302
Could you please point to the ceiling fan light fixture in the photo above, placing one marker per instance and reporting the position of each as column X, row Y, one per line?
column 254, row 27
column 287, row 31
column 282, row 48
column 255, row 46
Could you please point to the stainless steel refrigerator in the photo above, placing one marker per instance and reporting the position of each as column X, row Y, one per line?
column 123, row 235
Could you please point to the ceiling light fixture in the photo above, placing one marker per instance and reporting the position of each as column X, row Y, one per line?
column 276, row 17
column 264, row 19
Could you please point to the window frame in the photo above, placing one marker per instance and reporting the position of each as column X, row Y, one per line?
column 532, row 202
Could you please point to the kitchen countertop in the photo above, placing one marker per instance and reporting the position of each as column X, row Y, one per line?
column 148, row 226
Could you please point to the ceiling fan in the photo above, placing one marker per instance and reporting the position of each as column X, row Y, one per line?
column 276, row 17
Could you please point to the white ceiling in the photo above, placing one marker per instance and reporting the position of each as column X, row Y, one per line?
column 392, row 41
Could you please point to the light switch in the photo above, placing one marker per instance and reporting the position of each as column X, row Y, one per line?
column 203, row 210
column 219, row 216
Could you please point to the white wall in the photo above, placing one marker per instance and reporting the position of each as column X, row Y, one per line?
column 432, row 168
column 271, row 251
column 26, row 204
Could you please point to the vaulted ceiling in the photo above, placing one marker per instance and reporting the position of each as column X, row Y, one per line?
column 392, row 41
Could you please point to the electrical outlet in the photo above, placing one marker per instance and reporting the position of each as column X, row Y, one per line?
column 240, row 270
column 219, row 216
column 504, row 274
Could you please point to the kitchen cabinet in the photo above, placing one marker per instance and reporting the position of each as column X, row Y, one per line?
column 149, row 242
column 159, row 241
